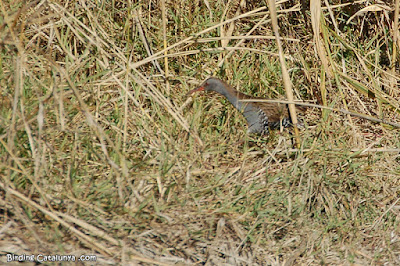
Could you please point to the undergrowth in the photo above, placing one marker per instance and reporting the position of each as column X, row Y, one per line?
column 103, row 153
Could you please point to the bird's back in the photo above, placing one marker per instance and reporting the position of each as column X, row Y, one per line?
column 261, row 116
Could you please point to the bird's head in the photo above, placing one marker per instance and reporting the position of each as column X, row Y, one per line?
column 211, row 84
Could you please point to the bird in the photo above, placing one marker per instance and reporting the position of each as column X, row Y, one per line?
column 260, row 116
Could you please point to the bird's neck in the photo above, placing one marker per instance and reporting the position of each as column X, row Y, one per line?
column 234, row 96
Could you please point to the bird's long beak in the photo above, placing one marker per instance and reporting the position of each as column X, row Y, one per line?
column 201, row 88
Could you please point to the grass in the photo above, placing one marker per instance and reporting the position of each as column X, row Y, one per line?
column 100, row 155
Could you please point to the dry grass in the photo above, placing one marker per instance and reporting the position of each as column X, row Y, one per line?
column 102, row 154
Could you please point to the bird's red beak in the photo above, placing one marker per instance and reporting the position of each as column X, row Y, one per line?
column 201, row 88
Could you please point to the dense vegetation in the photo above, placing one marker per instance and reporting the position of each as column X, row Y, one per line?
column 102, row 153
